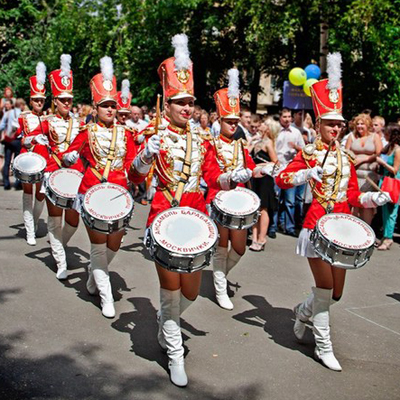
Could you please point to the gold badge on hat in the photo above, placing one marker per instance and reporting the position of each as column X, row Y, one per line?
column 107, row 85
column 334, row 95
column 232, row 102
column 65, row 81
column 183, row 76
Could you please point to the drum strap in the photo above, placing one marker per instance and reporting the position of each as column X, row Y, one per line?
column 69, row 134
column 111, row 154
column 56, row 159
column 185, row 175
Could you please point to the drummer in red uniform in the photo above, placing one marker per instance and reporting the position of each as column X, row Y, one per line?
column 33, row 139
column 124, row 98
column 61, row 128
column 176, row 187
column 109, row 150
column 334, row 188
column 231, row 156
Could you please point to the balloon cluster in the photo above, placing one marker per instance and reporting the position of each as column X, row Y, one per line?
column 305, row 77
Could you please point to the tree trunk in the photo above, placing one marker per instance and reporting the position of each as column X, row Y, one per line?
column 323, row 46
column 254, row 88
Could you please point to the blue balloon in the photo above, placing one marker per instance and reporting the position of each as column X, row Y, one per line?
column 312, row 71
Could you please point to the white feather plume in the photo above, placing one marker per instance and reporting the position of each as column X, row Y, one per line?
column 182, row 55
column 41, row 72
column 233, row 85
column 65, row 60
column 125, row 89
column 334, row 70
column 107, row 68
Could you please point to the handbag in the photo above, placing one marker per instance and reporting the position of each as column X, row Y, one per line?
column 392, row 186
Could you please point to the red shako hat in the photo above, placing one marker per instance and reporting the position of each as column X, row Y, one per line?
column 61, row 80
column 176, row 73
column 227, row 99
column 104, row 85
column 124, row 98
column 326, row 94
column 36, row 82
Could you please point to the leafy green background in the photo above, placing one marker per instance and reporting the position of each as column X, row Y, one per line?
column 257, row 36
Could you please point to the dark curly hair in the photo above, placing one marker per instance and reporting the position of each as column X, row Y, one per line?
column 393, row 131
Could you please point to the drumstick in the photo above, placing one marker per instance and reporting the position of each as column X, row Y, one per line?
column 327, row 153
column 116, row 197
column 374, row 185
column 274, row 167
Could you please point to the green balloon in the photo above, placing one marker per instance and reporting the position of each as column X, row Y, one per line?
column 297, row 76
column 308, row 85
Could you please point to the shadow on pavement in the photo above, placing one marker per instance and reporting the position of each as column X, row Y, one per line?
column 207, row 287
column 395, row 296
column 277, row 322
column 137, row 247
column 60, row 376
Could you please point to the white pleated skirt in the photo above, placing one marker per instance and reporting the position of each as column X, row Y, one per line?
column 304, row 246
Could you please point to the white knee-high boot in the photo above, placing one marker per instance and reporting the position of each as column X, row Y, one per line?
column 171, row 331
column 28, row 218
column 57, row 249
column 99, row 267
column 303, row 313
column 323, row 350
column 219, row 275
column 37, row 211
column 67, row 232
column 90, row 283
column 185, row 303
column 233, row 259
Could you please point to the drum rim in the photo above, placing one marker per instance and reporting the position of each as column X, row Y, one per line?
column 341, row 247
column 30, row 154
column 58, row 172
column 237, row 189
column 185, row 208
column 108, row 184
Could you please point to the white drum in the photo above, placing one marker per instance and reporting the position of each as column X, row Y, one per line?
column 182, row 239
column 343, row 240
column 29, row 167
column 107, row 208
column 236, row 209
column 62, row 187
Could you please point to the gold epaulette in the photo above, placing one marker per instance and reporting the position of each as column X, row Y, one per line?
column 83, row 127
column 350, row 155
column 47, row 117
column 133, row 131
column 308, row 151
column 206, row 136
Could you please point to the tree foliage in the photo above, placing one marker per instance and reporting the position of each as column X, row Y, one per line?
column 257, row 36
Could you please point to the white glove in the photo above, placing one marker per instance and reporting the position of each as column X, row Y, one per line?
column 152, row 147
column 42, row 139
column 28, row 141
column 374, row 199
column 381, row 198
column 241, row 175
column 303, row 176
column 71, row 158
column 140, row 139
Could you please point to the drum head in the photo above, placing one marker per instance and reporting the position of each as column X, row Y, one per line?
column 184, row 230
column 240, row 201
column 108, row 202
column 346, row 231
column 30, row 163
column 65, row 182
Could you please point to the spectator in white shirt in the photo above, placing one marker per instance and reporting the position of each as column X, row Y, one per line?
column 136, row 122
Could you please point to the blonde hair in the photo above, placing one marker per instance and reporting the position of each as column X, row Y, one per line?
column 274, row 128
column 380, row 119
column 364, row 118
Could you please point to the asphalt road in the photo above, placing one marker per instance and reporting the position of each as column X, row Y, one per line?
column 55, row 344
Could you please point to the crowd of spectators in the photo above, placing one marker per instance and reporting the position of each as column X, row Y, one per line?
column 270, row 138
